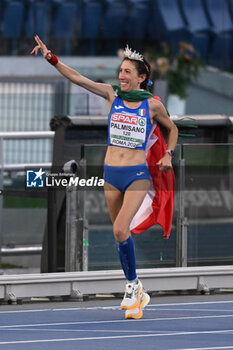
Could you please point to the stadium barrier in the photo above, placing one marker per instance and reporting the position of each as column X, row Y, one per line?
column 81, row 139
column 75, row 285
column 16, row 168
column 79, row 131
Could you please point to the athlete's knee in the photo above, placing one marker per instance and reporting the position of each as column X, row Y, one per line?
column 121, row 233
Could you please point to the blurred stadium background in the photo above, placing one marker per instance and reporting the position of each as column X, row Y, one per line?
column 87, row 35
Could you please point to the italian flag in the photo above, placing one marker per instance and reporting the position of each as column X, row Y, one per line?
column 142, row 112
column 158, row 204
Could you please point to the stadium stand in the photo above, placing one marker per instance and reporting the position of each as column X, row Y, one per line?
column 168, row 24
column 113, row 24
column 100, row 27
column 197, row 21
column 89, row 26
column 222, row 47
column 12, row 24
column 63, row 24
column 230, row 2
column 38, row 20
column 138, row 17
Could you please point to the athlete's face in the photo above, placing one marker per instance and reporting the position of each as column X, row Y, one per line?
column 129, row 77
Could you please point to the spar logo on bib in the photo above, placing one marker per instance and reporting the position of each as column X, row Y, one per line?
column 127, row 119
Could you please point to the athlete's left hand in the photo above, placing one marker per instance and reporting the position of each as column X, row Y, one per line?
column 41, row 46
column 165, row 163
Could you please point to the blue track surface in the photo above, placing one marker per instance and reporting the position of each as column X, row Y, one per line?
column 170, row 326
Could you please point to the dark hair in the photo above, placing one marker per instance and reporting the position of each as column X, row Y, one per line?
column 142, row 67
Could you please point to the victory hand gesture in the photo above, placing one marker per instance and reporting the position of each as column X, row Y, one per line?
column 41, row 46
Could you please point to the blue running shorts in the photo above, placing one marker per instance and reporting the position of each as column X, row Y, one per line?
column 123, row 177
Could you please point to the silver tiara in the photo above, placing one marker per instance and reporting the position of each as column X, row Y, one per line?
column 132, row 55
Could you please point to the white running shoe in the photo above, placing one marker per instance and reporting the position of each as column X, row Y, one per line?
column 138, row 313
column 132, row 296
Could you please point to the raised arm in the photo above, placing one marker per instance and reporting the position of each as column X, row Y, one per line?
column 104, row 90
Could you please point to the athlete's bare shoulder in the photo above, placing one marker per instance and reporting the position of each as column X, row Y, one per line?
column 155, row 106
column 154, row 102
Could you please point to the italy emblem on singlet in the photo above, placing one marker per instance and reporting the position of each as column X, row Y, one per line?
column 127, row 130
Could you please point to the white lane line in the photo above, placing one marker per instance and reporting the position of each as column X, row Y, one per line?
column 115, row 337
column 82, row 330
column 209, row 348
column 195, row 303
column 114, row 307
column 24, row 311
column 114, row 321
column 117, row 307
column 187, row 309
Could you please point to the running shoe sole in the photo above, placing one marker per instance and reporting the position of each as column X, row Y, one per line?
column 138, row 313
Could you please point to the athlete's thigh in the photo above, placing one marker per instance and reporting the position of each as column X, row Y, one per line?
column 133, row 199
column 114, row 199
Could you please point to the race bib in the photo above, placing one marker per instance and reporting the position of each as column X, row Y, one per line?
column 127, row 130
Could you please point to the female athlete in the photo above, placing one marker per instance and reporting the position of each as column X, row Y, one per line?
column 132, row 113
